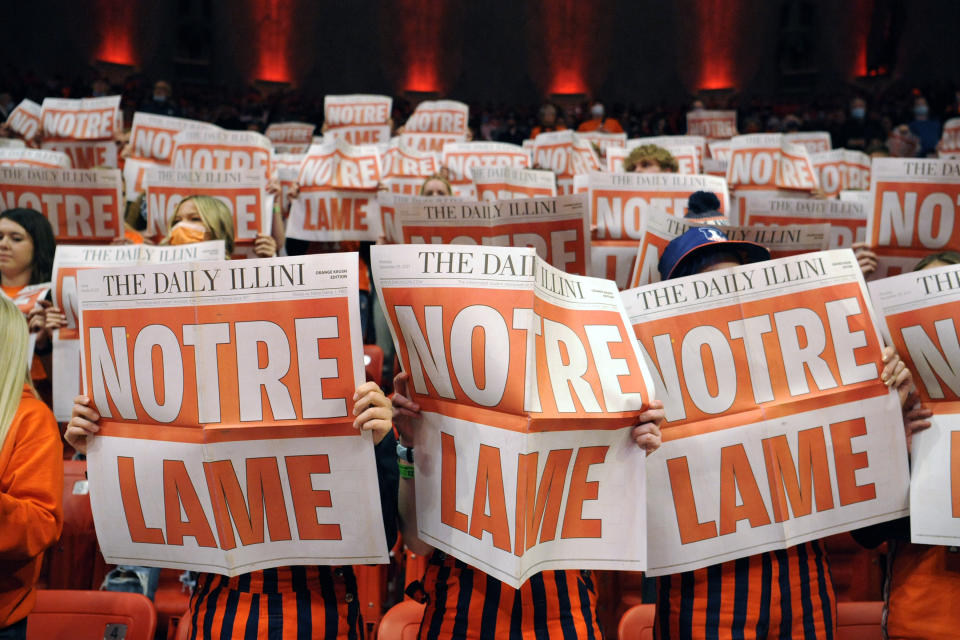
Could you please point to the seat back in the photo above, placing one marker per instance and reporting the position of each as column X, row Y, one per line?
column 71, row 562
column 91, row 615
column 373, row 363
column 637, row 623
column 401, row 622
column 859, row 620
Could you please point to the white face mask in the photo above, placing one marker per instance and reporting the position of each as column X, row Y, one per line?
column 596, row 111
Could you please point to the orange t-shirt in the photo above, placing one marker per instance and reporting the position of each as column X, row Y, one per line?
column 610, row 125
column 31, row 503
column 924, row 584
column 537, row 130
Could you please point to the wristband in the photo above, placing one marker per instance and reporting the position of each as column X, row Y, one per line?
column 404, row 453
column 406, row 468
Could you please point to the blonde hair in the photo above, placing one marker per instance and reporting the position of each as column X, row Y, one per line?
column 654, row 153
column 436, row 176
column 216, row 216
column 14, row 368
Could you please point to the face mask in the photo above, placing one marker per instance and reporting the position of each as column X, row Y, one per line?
column 858, row 112
column 921, row 110
column 597, row 111
column 160, row 97
column 187, row 233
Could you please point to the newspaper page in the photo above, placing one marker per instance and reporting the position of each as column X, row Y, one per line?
column 405, row 169
column 260, row 468
column 847, row 220
column 502, row 183
column 358, row 119
column 558, row 228
column 658, row 229
column 151, row 136
column 529, row 382
column 67, row 261
column 24, row 120
column 620, row 202
column 221, row 150
column 913, row 211
column 461, row 158
column 567, row 155
column 764, row 161
column 712, row 125
column 778, row 428
column 920, row 312
column 338, row 194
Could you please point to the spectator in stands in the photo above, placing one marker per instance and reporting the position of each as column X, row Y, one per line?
column 598, row 122
column 858, row 132
column 27, row 246
column 551, row 604
column 199, row 218
column 703, row 206
column 436, row 185
column 925, row 128
column 920, row 578
column 31, row 477
column 650, row 158
column 161, row 102
column 295, row 601
column 548, row 121
column 788, row 593
column 902, row 143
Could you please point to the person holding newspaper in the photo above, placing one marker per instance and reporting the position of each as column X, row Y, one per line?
column 782, row 593
column 919, row 577
column 293, row 601
column 27, row 247
column 31, row 477
column 464, row 602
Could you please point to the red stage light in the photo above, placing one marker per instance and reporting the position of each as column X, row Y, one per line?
column 118, row 24
column 273, row 22
column 717, row 42
column 421, row 26
column 567, row 35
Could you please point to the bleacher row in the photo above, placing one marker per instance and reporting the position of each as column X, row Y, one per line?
column 70, row 605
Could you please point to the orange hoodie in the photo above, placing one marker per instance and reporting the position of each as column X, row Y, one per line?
column 31, row 504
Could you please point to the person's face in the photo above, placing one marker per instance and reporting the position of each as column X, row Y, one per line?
column 16, row 248
column 435, row 188
column 719, row 260
column 646, row 165
column 549, row 116
column 160, row 91
column 188, row 212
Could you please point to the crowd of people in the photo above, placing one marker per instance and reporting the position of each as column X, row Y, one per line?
column 461, row 601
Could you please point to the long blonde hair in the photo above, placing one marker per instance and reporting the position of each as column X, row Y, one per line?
column 216, row 216
column 14, row 368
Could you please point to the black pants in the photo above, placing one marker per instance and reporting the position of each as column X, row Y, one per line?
column 16, row 631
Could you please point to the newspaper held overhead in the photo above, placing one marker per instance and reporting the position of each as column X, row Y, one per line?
column 558, row 228
column 529, row 382
column 913, row 211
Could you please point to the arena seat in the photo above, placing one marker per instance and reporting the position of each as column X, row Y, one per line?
column 414, row 566
column 856, row 572
column 371, row 583
column 859, row 620
column 91, row 615
column 172, row 600
column 637, row 623
column 373, row 363
column 71, row 563
column 401, row 622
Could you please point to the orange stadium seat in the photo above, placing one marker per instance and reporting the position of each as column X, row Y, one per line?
column 91, row 615
column 856, row 572
column 859, row 620
column 401, row 622
column 373, row 363
column 172, row 600
column 371, row 584
column 414, row 566
column 637, row 623
column 72, row 562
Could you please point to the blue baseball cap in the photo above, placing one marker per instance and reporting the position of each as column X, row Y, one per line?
column 699, row 241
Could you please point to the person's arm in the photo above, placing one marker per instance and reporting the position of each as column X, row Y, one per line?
column 406, row 415
column 31, row 508
column 374, row 412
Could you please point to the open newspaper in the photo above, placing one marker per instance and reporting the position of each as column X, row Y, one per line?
column 920, row 312
column 529, row 382
column 778, row 428
column 225, row 391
